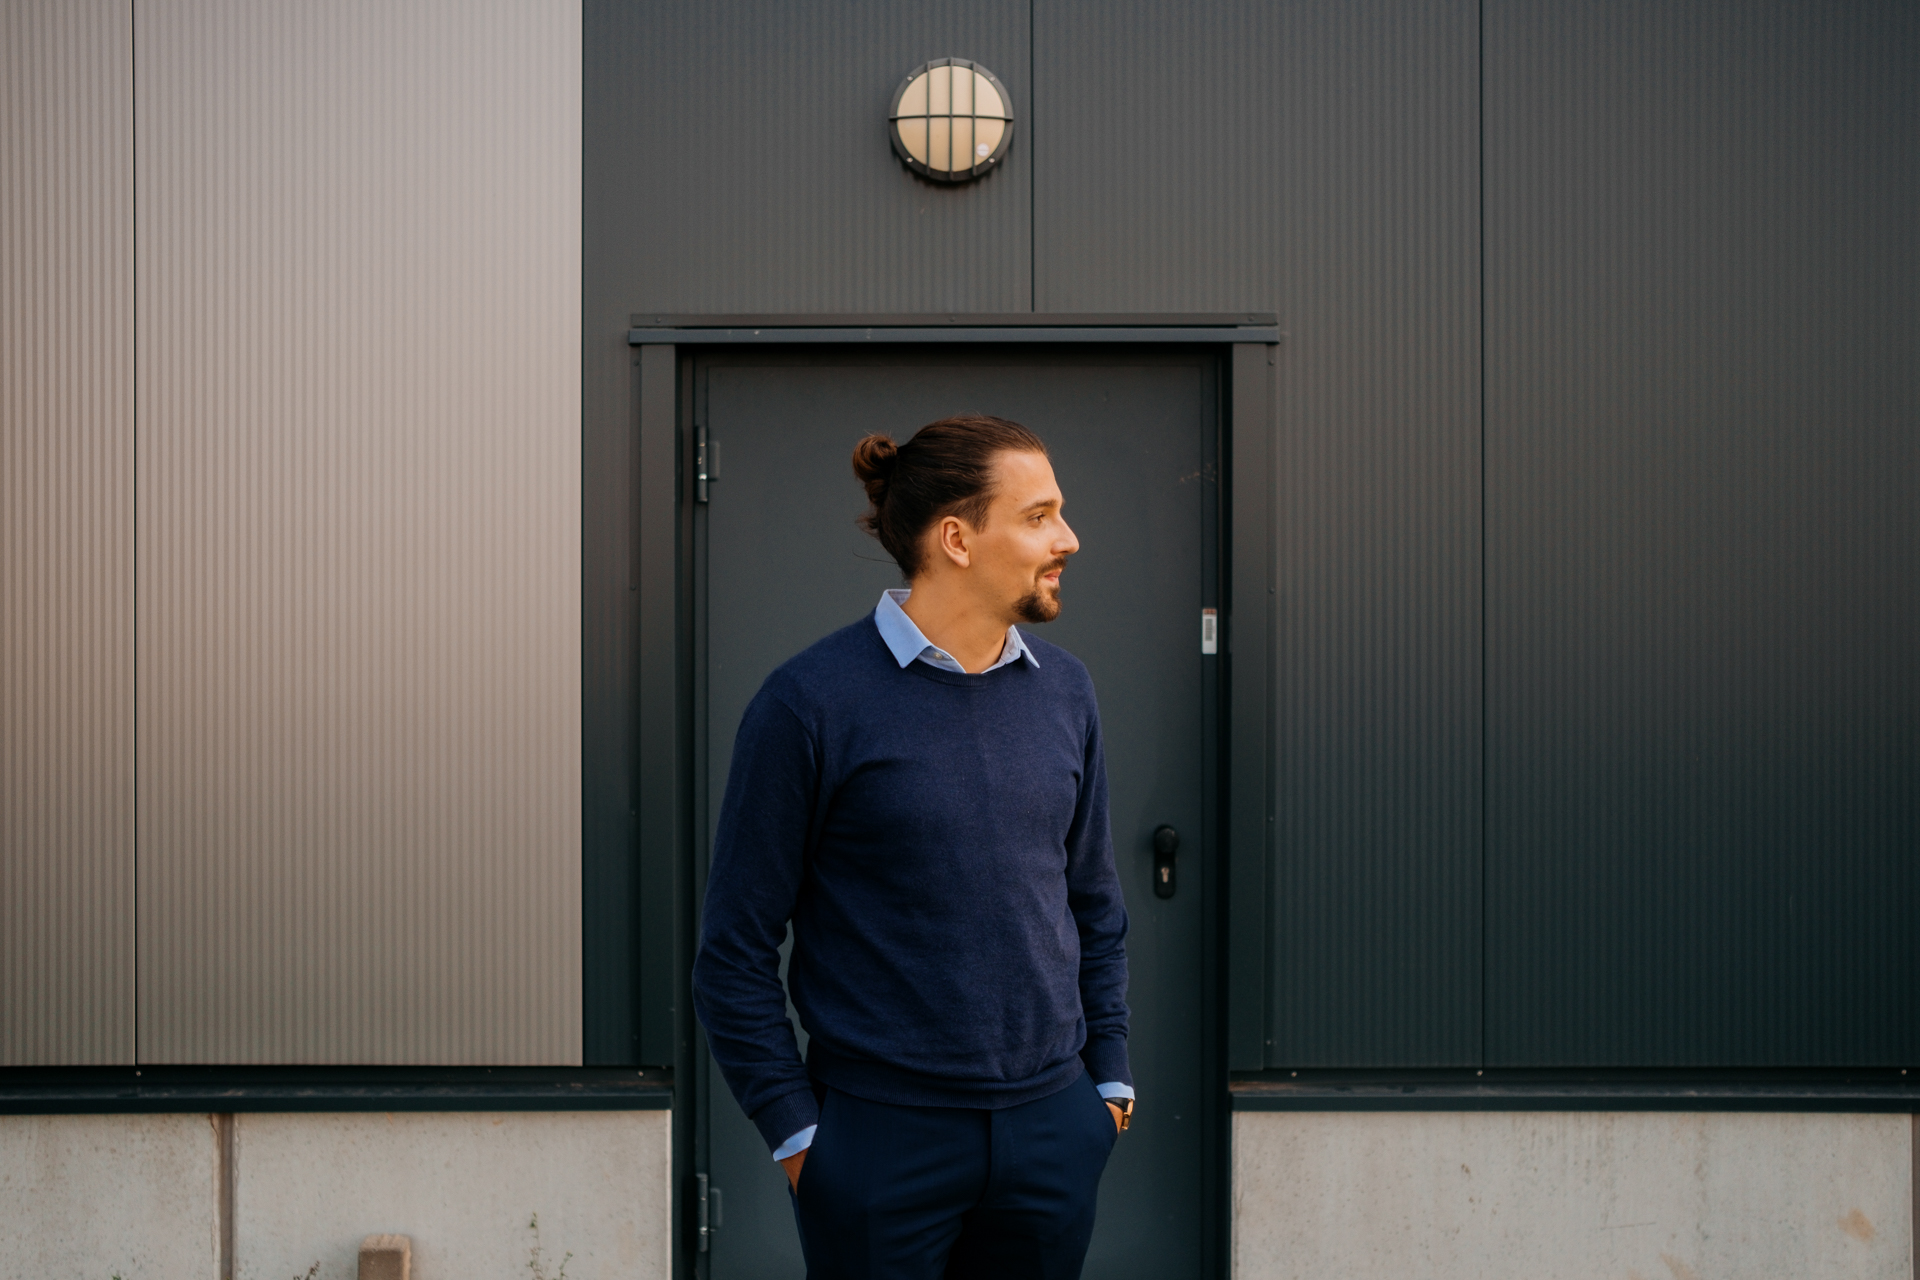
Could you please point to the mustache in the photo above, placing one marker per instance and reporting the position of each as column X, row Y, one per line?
column 1061, row 563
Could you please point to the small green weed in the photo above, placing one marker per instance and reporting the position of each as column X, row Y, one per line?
column 534, row 1262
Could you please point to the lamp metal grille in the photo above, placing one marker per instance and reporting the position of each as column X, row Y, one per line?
column 951, row 120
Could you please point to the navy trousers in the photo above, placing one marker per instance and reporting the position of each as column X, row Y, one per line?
column 921, row 1193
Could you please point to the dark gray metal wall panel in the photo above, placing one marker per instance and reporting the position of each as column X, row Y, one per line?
column 609, row 709
column 658, row 782
column 735, row 159
column 747, row 140
column 631, row 727
column 1249, row 648
column 609, row 569
column 1320, row 159
column 1702, row 393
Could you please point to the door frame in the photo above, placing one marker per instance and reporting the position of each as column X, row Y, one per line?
column 647, row 721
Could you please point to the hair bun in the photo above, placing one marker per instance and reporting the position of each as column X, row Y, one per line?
column 873, row 460
column 947, row 469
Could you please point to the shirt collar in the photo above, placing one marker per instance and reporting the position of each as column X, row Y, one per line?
column 906, row 642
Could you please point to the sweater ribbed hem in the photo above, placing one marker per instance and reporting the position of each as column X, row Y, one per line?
column 878, row 1082
column 786, row 1115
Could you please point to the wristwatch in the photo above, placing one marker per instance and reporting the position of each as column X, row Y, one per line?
column 1125, row 1106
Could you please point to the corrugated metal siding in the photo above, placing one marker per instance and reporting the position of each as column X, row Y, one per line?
column 66, row 533
column 1322, row 160
column 1702, row 396
column 359, row 733
column 755, row 113
column 737, row 160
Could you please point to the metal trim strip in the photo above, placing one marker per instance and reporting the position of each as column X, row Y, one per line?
column 1006, row 333
column 159, row 1101
column 1248, row 631
column 349, row 1090
column 1833, row 1098
column 952, row 319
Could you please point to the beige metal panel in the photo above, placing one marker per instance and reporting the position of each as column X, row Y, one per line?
column 66, row 532
column 359, row 734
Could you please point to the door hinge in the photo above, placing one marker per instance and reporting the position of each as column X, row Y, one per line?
column 706, row 463
column 706, row 1212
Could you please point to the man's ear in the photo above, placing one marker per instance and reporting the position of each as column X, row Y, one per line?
column 951, row 538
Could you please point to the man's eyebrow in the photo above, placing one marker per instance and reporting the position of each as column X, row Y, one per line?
column 1039, row 503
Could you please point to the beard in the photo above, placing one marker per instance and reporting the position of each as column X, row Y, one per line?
column 1042, row 604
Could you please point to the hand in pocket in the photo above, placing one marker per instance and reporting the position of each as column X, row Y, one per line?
column 792, row 1165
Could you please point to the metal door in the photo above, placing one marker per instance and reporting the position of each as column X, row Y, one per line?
column 778, row 563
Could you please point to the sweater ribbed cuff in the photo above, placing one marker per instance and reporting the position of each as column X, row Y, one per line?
column 1106, row 1060
column 785, row 1116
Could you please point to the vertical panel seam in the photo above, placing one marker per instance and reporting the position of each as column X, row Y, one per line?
column 1269, row 376
column 133, row 488
column 1480, row 77
column 226, row 1144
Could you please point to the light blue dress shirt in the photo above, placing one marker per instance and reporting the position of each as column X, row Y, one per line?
column 907, row 644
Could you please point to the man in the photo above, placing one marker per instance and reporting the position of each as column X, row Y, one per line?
column 923, row 795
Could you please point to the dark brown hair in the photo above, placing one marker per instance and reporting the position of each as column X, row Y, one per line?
column 945, row 470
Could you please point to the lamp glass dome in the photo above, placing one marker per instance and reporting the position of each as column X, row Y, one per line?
column 951, row 120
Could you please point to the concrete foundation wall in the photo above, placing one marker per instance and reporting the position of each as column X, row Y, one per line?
column 1545, row 1195
column 464, row 1186
column 1413, row 1196
column 165, row 1198
column 100, row 1196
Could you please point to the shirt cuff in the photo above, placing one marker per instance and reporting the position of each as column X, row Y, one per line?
column 800, row 1142
column 1111, row 1089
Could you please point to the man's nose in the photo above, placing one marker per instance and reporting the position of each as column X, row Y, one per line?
column 1067, row 543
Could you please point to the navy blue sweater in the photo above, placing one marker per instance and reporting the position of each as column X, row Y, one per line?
column 940, row 843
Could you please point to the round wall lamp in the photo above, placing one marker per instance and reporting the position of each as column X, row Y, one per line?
column 951, row 120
